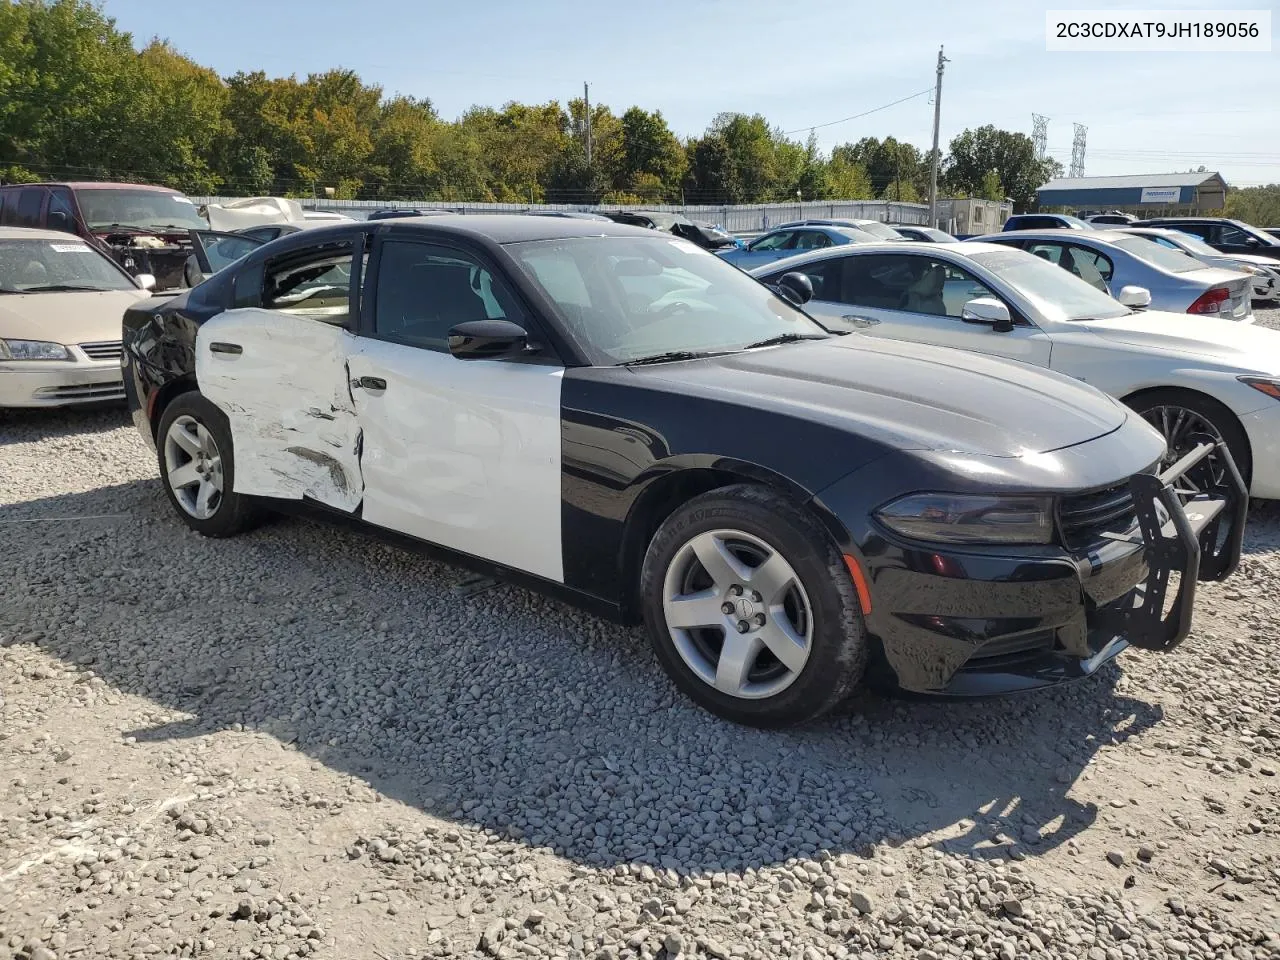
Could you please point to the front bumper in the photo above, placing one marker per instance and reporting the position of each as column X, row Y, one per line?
column 1263, row 430
column 963, row 623
column 58, row 383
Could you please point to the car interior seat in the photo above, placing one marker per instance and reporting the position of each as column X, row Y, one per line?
column 925, row 294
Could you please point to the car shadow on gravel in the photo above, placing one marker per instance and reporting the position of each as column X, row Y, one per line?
column 512, row 712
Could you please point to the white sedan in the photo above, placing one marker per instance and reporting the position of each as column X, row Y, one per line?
column 60, row 307
column 1184, row 374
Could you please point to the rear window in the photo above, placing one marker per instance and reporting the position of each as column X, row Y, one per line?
column 1175, row 261
column 881, row 231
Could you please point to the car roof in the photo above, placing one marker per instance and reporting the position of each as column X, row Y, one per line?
column 98, row 185
column 966, row 248
column 31, row 233
column 1076, row 236
column 496, row 227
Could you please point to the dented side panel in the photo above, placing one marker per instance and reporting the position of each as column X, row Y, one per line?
column 287, row 396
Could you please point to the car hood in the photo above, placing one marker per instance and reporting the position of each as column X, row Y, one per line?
column 66, row 317
column 909, row 395
column 1246, row 345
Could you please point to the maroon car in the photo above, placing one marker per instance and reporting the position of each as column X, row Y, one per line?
column 143, row 228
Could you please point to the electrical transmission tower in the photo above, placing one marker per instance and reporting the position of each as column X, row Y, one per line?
column 1077, row 151
column 1040, row 134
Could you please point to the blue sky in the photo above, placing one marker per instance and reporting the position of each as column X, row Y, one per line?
column 799, row 64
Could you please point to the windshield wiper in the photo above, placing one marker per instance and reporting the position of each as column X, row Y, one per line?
column 64, row 288
column 785, row 338
column 671, row 356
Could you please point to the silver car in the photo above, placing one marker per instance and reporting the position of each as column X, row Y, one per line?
column 880, row 231
column 1138, row 272
column 1264, row 270
column 789, row 241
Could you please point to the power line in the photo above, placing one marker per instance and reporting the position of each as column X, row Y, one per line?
column 865, row 113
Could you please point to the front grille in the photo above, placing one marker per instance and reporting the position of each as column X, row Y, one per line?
column 102, row 349
column 111, row 390
column 1083, row 519
column 1007, row 651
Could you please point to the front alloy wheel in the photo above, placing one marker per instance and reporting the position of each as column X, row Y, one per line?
column 737, row 613
column 751, row 609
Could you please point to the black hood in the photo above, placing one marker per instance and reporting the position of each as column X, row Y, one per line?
column 908, row 396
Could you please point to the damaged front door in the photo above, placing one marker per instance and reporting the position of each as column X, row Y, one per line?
column 278, row 370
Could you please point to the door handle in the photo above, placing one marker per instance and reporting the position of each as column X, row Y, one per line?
column 370, row 383
column 219, row 346
column 858, row 321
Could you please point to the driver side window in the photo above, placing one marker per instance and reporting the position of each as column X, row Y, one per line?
column 778, row 241
column 315, row 284
column 424, row 290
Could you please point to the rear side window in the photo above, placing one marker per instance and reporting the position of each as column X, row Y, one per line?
column 30, row 200
column 313, row 283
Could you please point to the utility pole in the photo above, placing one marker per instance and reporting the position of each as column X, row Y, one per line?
column 586, row 119
column 937, row 116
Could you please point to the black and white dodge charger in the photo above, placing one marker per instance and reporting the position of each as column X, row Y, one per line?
column 622, row 419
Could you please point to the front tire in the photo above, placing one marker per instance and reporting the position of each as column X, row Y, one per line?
column 197, row 468
column 751, row 610
column 1178, row 414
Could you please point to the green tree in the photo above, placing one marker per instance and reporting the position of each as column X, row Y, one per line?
column 651, row 154
column 976, row 153
column 1257, row 205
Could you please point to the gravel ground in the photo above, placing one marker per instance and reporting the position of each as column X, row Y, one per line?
column 305, row 743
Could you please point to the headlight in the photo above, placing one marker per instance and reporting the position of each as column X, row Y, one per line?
column 33, row 350
column 965, row 518
column 1270, row 387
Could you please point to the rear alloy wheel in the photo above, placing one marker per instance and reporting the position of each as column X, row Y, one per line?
column 1179, row 415
column 193, row 467
column 197, row 468
column 751, row 610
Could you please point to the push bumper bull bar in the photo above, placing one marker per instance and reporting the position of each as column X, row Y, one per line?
column 1191, row 518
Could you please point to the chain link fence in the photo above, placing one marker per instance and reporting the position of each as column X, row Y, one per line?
column 739, row 218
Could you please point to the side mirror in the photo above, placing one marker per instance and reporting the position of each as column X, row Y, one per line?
column 61, row 222
column 487, row 339
column 796, row 288
column 987, row 310
column 1137, row 297
column 146, row 281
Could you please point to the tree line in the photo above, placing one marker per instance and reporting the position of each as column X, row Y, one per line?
column 78, row 101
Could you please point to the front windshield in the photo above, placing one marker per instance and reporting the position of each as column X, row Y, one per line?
column 881, row 231
column 49, row 266
column 1175, row 261
column 627, row 298
column 1055, row 292
column 141, row 209
column 1077, row 222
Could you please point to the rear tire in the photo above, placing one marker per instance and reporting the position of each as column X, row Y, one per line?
column 751, row 610
column 197, row 468
column 1179, row 413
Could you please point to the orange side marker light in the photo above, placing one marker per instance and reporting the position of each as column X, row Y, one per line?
column 859, row 584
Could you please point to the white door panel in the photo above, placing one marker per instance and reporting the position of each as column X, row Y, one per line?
column 1027, row 344
column 286, row 396
column 463, row 453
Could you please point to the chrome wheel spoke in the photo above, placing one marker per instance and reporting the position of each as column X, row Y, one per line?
column 694, row 610
column 184, row 476
column 203, row 499
column 772, row 578
column 187, row 440
column 784, row 643
column 721, row 566
column 737, row 656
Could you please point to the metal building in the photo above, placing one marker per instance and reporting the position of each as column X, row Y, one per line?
column 1150, row 194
